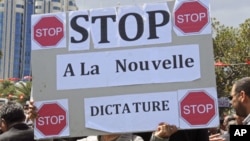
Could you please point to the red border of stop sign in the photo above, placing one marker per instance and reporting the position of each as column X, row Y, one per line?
column 197, row 108
column 191, row 18
column 53, row 119
column 48, row 31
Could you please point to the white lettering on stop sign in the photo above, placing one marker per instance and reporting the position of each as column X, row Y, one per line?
column 50, row 120
column 43, row 32
column 200, row 109
column 194, row 17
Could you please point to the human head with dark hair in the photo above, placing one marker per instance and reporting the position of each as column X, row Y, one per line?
column 240, row 97
column 11, row 113
column 243, row 85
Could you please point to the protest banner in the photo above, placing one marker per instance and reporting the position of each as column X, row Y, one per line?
column 124, row 68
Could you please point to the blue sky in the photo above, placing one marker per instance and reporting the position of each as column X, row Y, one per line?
column 228, row 12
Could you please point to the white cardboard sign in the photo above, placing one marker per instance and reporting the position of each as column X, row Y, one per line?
column 124, row 54
column 127, row 112
column 137, row 66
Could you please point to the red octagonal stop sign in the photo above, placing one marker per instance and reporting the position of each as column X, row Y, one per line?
column 52, row 119
column 197, row 108
column 191, row 17
column 48, row 31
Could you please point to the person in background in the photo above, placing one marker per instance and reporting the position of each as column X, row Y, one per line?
column 26, row 112
column 224, row 134
column 240, row 102
column 240, row 99
column 12, row 123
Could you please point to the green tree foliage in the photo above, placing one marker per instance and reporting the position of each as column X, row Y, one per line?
column 232, row 48
column 23, row 91
column 7, row 89
column 18, row 91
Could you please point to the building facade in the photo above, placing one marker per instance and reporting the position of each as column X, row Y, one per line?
column 15, row 32
column 52, row 6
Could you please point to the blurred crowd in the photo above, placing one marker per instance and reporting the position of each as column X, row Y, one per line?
column 221, row 133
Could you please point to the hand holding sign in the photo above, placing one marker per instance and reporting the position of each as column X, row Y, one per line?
column 165, row 130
